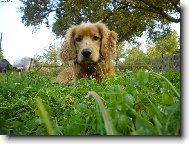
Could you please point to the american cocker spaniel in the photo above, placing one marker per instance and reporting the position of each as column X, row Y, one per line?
column 90, row 47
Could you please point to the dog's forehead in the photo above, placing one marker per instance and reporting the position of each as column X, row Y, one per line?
column 87, row 29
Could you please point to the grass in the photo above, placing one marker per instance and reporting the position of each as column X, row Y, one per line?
column 133, row 103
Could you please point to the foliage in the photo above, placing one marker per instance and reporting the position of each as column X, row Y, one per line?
column 167, row 43
column 49, row 62
column 1, row 54
column 139, row 103
column 120, row 54
column 50, row 56
column 135, row 55
column 153, row 52
column 1, row 51
column 128, row 18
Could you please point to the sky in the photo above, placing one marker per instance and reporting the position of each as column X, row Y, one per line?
column 19, row 41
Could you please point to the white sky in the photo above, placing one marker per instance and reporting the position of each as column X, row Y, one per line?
column 18, row 40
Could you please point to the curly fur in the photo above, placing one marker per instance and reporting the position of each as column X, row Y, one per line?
column 102, row 43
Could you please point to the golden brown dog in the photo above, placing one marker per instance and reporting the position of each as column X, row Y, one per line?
column 90, row 47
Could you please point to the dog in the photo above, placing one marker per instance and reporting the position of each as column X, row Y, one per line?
column 90, row 47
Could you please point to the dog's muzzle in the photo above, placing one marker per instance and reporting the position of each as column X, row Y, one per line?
column 86, row 52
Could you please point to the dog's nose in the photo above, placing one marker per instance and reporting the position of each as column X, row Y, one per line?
column 86, row 52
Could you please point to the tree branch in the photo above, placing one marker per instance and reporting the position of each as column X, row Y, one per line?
column 151, row 8
column 161, row 12
column 176, row 6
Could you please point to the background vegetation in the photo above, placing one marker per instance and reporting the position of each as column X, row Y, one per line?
column 1, row 52
column 130, row 19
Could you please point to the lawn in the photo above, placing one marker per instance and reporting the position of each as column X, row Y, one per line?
column 132, row 103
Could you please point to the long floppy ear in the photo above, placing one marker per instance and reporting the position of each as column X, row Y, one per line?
column 68, row 50
column 109, row 39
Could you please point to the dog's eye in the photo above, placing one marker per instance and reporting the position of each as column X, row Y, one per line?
column 95, row 38
column 78, row 39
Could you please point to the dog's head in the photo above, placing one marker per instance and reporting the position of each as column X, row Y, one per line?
column 88, row 42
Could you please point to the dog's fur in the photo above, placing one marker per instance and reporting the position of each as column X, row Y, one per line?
column 91, row 47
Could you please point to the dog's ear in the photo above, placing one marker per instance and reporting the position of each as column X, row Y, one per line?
column 68, row 50
column 109, row 39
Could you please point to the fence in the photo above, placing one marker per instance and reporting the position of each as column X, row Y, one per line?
column 169, row 63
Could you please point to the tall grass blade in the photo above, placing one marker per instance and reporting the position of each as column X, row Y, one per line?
column 100, row 127
column 106, row 117
column 171, row 85
column 44, row 116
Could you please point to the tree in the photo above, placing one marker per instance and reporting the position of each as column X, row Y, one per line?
column 1, row 52
column 153, row 52
column 49, row 62
column 167, row 43
column 129, row 18
column 120, row 54
column 1, row 55
column 135, row 55
column 50, row 56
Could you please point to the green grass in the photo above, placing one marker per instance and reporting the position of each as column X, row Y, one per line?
column 133, row 103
